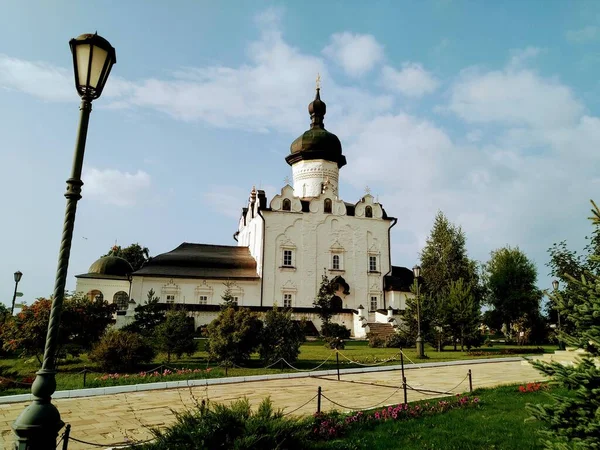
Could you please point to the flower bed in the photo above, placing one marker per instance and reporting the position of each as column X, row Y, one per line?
column 112, row 379
column 533, row 387
column 508, row 351
column 332, row 425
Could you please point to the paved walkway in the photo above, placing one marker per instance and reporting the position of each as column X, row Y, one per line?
column 112, row 419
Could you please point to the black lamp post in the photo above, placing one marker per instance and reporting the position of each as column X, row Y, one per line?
column 420, row 349
column 18, row 276
column 555, row 287
column 38, row 425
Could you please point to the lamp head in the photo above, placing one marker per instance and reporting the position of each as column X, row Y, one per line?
column 417, row 271
column 93, row 58
column 18, row 276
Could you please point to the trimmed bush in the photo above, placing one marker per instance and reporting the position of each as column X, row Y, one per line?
column 375, row 341
column 234, row 335
column 399, row 340
column 121, row 351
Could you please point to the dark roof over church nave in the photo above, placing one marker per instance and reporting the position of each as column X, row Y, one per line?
column 202, row 261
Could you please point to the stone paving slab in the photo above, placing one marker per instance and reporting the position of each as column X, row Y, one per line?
column 112, row 419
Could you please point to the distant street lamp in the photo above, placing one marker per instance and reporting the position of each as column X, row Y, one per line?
column 38, row 425
column 420, row 349
column 18, row 276
column 560, row 344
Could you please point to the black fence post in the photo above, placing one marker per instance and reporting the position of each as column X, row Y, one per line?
column 319, row 400
column 226, row 365
column 65, row 445
column 337, row 362
column 404, row 388
column 470, row 381
column 84, row 376
column 402, row 362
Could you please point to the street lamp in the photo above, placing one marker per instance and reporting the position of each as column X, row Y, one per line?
column 18, row 276
column 38, row 425
column 555, row 286
column 420, row 350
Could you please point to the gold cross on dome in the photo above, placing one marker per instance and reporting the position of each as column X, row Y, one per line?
column 367, row 190
column 318, row 80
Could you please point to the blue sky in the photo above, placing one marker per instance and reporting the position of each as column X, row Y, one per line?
column 488, row 111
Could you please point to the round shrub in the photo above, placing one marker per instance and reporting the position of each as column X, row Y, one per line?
column 121, row 351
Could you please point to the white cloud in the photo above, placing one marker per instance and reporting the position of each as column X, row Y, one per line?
column 113, row 187
column 513, row 97
column 269, row 92
column 413, row 80
column 357, row 54
column 585, row 34
column 37, row 78
column 521, row 56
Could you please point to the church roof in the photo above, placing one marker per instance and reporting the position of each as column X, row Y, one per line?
column 317, row 142
column 109, row 267
column 202, row 261
column 401, row 279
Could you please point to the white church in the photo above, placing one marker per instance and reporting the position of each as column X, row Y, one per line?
column 284, row 247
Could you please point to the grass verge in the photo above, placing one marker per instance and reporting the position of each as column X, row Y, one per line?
column 312, row 354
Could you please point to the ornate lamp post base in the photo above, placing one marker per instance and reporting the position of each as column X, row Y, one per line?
column 38, row 425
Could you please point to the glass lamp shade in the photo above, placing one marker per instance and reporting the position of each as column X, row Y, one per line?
column 18, row 276
column 93, row 58
column 555, row 285
column 417, row 271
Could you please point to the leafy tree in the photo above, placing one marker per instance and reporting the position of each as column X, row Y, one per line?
column 281, row 337
column 4, row 312
column 573, row 421
column 511, row 279
column 176, row 335
column 147, row 316
column 120, row 350
column 83, row 322
column 463, row 313
column 323, row 302
column 135, row 254
column 233, row 335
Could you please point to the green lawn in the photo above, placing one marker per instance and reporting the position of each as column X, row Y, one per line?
column 499, row 423
column 312, row 354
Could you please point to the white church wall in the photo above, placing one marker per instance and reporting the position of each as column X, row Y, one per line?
column 313, row 238
column 397, row 299
column 195, row 291
column 108, row 287
column 251, row 236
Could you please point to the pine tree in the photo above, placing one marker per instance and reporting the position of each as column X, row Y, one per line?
column 147, row 316
column 574, row 421
column 444, row 260
column 462, row 313
column 227, row 296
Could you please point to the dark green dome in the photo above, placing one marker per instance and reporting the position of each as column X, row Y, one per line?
column 317, row 143
column 111, row 265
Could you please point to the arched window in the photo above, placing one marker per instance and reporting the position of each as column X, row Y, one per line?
column 335, row 263
column 122, row 300
column 327, row 205
column 95, row 295
column 287, row 204
column 368, row 211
